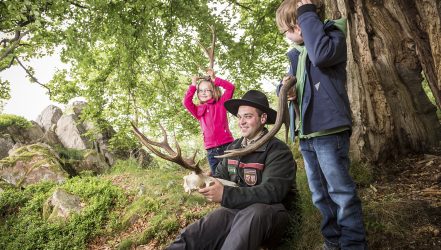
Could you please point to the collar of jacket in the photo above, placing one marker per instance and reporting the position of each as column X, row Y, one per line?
column 340, row 24
column 261, row 148
column 203, row 107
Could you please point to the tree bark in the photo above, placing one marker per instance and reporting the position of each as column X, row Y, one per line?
column 390, row 45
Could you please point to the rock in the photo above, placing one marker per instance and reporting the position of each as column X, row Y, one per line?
column 31, row 164
column 6, row 144
column 92, row 161
column 49, row 117
column 143, row 158
column 101, row 141
column 78, row 106
column 70, row 132
column 61, row 205
column 27, row 135
column 50, row 137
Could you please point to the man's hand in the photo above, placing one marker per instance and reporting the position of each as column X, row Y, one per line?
column 292, row 96
column 213, row 192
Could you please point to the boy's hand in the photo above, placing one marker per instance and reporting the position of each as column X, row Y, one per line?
column 210, row 72
column 303, row 2
column 291, row 96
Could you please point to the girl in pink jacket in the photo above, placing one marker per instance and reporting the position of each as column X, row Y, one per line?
column 211, row 113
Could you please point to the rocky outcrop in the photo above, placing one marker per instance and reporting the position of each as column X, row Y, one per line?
column 61, row 131
column 6, row 144
column 61, row 205
column 101, row 141
column 70, row 132
column 49, row 117
column 24, row 135
column 31, row 164
column 92, row 161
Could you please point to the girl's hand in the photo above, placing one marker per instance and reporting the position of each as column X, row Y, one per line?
column 210, row 72
column 194, row 80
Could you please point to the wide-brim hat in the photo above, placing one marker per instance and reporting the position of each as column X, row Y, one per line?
column 253, row 98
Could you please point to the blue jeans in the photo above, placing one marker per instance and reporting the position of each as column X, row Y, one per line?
column 333, row 190
column 211, row 153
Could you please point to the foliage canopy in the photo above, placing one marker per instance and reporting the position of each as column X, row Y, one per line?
column 134, row 59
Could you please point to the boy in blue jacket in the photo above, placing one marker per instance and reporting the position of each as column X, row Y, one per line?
column 318, row 60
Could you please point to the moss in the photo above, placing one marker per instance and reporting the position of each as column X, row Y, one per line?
column 141, row 206
column 24, row 226
column 362, row 173
column 27, row 153
column 7, row 120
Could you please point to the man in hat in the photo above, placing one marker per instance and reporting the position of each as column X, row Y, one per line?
column 255, row 212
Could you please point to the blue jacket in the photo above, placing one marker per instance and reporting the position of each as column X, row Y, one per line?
column 325, row 100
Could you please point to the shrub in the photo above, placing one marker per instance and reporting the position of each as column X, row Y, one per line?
column 7, row 120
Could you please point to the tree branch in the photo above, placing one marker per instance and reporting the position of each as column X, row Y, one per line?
column 16, row 42
column 33, row 77
column 9, row 64
column 241, row 5
column 77, row 5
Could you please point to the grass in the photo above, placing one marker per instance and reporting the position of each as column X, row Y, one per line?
column 123, row 216
column 23, row 225
column 164, row 206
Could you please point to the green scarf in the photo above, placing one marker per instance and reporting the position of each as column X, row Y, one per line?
column 301, row 71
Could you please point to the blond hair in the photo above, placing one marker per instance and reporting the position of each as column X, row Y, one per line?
column 286, row 14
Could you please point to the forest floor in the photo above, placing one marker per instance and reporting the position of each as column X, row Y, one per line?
column 402, row 209
column 408, row 191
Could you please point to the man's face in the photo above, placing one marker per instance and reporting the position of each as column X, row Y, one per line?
column 250, row 122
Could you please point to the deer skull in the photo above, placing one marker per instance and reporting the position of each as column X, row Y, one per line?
column 195, row 181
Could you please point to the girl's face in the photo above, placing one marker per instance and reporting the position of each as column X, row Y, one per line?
column 205, row 92
column 294, row 34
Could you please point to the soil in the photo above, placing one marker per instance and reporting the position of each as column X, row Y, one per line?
column 412, row 186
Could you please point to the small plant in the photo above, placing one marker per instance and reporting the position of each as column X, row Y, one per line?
column 70, row 153
column 7, row 120
column 362, row 173
column 429, row 94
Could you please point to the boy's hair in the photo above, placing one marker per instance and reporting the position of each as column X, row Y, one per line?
column 216, row 90
column 286, row 14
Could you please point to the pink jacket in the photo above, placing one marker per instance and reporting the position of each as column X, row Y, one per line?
column 212, row 115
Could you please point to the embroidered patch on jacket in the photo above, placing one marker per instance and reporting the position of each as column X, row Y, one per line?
column 250, row 176
column 258, row 166
column 231, row 169
column 317, row 86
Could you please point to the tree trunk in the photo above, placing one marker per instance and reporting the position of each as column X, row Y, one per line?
column 390, row 44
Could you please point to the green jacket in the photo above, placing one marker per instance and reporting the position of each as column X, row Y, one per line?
column 266, row 175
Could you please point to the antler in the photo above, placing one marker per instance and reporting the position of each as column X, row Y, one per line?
column 172, row 156
column 210, row 51
column 282, row 117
